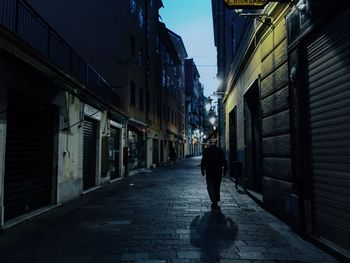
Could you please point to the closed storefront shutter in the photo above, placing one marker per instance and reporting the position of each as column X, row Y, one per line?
column 89, row 156
column 328, row 58
column 29, row 156
column 155, row 151
column 114, row 153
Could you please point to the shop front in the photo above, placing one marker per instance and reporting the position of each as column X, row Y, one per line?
column 136, row 146
column 114, row 155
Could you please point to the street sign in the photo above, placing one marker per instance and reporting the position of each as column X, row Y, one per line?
column 246, row 4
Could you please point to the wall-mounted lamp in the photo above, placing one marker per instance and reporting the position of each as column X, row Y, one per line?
column 293, row 74
column 207, row 107
column 261, row 17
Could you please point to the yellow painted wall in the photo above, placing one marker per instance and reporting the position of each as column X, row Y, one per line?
column 248, row 76
column 269, row 61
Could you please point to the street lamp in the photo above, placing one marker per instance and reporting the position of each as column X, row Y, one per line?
column 212, row 120
column 196, row 132
column 207, row 106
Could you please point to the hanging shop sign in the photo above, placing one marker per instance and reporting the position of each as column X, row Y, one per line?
column 245, row 4
column 251, row 4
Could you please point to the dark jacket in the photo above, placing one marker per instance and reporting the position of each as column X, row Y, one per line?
column 172, row 154
column 213, row 161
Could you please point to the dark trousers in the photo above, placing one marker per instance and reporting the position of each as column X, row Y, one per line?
column 213, row 186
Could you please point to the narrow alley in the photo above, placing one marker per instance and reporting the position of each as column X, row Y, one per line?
column 158, row 217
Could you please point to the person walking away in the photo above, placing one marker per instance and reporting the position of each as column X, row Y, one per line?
column 172, row 155
column 213, row 168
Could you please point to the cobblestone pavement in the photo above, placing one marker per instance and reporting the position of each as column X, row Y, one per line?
column 158, row 217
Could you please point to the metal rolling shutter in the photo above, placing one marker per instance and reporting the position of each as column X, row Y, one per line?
column 155, row 151
column 329, row 115
column 89, row 156
column 115, row 173
column 28, row 160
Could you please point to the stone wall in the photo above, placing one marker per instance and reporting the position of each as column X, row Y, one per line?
column 277, row 164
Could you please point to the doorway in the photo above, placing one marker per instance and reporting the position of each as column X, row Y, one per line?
column 253, row 138
column 114, row 153
column 155, row 152
column 234, row 165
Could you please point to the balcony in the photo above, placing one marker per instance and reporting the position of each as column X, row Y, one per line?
column 21, row 19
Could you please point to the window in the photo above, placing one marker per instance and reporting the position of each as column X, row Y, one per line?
column 133, row 46
column 148, row 101
column 163, row 78
column 132, row 93
column 140, row 18
column 148, row 29
column 141, row 99
column 140, row 57
column 133, row 6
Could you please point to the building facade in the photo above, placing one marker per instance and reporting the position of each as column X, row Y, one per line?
column 318, row 40
column 61, row 129
column 182, row 55
column 172, row 96
column 193, row 107
column 286, row 105
column 127, row 56
column 82, row 106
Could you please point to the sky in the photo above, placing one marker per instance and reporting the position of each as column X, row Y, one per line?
column 192, row 20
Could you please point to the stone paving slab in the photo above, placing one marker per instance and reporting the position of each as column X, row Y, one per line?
column 158, row 217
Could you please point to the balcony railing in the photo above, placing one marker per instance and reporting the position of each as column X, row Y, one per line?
column 20, row 18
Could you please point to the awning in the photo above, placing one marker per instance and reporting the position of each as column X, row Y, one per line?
column 137, row 126
column 116, row 116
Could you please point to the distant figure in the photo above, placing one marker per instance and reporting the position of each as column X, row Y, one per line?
column 126, row 160
column 172, row 155
column 213, row 167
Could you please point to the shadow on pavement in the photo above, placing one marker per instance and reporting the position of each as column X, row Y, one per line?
column 212, row 233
